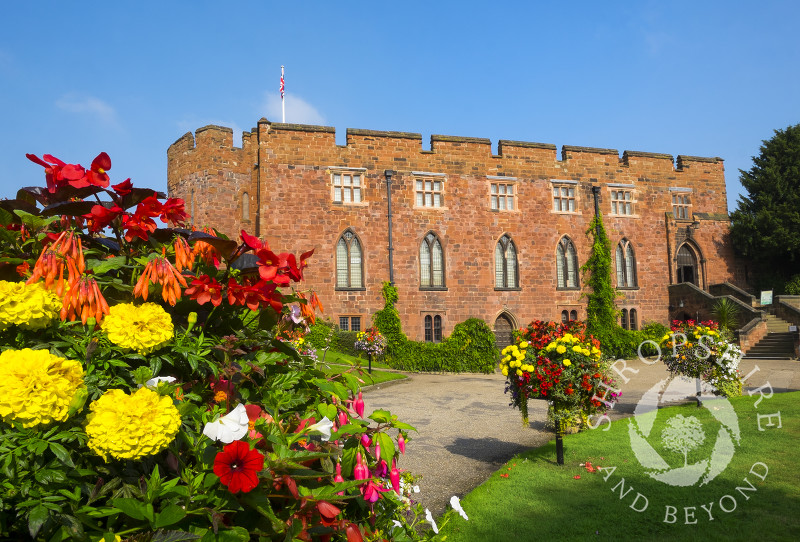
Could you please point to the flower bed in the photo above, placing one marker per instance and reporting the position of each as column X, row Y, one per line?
column 157, row 386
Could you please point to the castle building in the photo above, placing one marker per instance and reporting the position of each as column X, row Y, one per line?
column 498, row 236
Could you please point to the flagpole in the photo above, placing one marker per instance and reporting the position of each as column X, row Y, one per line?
column 283, row 102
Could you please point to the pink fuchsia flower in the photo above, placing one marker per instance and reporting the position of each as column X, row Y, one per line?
column 338, row 478
column 382, row 469
column 401, row 443
column 394, row 477
column 358, row 405
column 343, row 418
column 360, row 471
column 372, row 491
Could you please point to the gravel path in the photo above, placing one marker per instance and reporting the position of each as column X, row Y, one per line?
column 466, row 430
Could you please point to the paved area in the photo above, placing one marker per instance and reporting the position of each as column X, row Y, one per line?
column 466, row 430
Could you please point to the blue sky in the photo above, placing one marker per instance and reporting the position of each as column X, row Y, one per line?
column 701, row 78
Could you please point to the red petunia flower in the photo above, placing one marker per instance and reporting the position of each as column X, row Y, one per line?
column 238, row 466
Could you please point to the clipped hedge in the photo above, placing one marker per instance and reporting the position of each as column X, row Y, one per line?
column 325, row 333
column 470, row 348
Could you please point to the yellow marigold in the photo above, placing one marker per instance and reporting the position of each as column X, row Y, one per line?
column 131, row 426
column 567, row 363
column 27, row 305
column 37, row 387
column 523, row 344
column 561, row 349
column 143, row 328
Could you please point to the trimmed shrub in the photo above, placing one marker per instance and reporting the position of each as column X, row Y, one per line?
column 470, row 348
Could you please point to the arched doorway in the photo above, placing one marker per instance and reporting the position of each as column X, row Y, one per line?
column 687, row 265
column 503, row 328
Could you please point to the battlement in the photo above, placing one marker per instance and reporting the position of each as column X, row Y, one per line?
column 277, row 135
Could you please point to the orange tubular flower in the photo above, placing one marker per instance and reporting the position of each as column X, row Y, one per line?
column 65, row 253
column 84, row 299
column 160, row 271
column 184, row 256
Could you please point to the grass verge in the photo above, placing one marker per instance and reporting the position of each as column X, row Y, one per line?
column 336, row 363
column 532, row 498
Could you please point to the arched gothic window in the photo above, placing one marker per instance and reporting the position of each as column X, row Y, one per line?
column 245, row 206
column 626, row 265
column 624, row 319
column 431, row 262
column 505, row 263
column 632, row 320
column 433, row 328
column 349, row 262
column 566, row 264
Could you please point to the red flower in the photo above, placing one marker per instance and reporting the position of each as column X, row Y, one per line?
column 100, row 217
column 253, row 242
column 97, row 175
column 173, row 212
column 124, row 188
column 238, row 466
column 205, row 289
column 57, row 172
column 150, row 206
column 138, row 226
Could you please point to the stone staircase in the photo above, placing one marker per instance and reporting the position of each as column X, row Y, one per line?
column 778, row 344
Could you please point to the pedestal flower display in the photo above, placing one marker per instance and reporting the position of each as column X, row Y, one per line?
column 146, row 393
column 562, row 364
column 700, row 350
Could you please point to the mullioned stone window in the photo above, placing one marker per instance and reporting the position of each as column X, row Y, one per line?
column 564, row 196
column 349, row 262
column 626, row 265
column 567, row 264
column 505, row 264
column 347, row 185
column 428, row 189
column 433, row 328
column 431, row 262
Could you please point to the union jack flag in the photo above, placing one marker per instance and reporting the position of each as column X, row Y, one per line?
column 282, row 84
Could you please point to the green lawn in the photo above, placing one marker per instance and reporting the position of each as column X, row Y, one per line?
column 539, row 500
column 336, row 362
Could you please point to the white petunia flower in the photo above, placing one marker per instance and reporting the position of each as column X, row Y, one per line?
column 429, row 519
column 416, row 489
column 456, row 504
column 323, row 427
column 232, row 426
column 153, row 382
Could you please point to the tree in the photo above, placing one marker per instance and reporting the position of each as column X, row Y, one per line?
column 765, row 227
column 683, row 435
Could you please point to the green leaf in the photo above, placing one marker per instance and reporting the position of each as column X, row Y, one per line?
column 387, row 446
column 131, row 507
column 101, row 267
column 171, row 514
column 35, row 222
column 36, row 518
column 62, row 454
column 381, row 416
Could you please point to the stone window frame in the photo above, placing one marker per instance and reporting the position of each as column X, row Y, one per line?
column 436, row 188
column 350, row 319
column 626, row 275
column 428, row 246
column 501, row 264
column 432, row 327
column 616, row 195
column 503, row 189
column 351, row 172
column 557, row 196
column 629, row 318
column 563, row 259
column 350, row 238
column 681, row 201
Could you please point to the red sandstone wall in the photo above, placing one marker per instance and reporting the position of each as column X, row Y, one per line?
column 297, row 213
